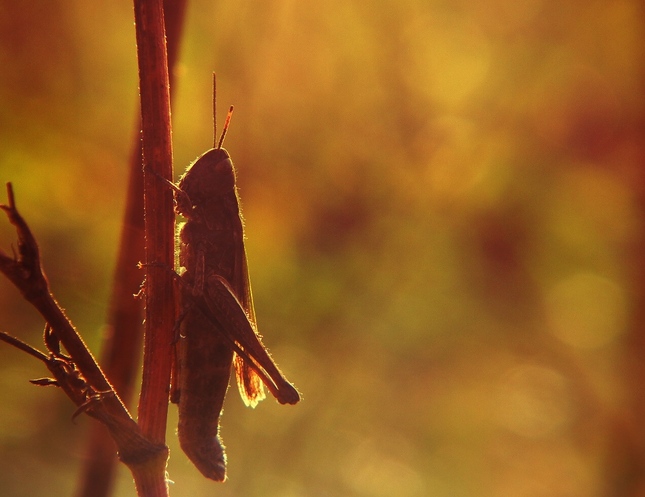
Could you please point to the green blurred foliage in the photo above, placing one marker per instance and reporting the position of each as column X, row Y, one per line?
column 441, row 204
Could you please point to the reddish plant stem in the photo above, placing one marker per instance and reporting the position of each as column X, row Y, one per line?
column 121, row 347
column 159, row 217
column 159, row 228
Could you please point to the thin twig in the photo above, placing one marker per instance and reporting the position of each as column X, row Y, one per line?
column 78, row 375
column 26, row 274
column 25, row 347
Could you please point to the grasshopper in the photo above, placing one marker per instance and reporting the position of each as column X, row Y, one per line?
column 217, row 324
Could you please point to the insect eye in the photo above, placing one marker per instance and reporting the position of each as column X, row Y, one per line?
column 223, row 167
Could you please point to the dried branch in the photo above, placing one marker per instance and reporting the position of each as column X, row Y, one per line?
column 19, row 344
column 78, row 375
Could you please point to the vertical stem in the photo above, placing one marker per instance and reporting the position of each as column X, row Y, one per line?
column 159, row 217
column 159, row 224
column 121, row 348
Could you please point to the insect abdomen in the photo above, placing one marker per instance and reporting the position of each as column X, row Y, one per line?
column 205, row 364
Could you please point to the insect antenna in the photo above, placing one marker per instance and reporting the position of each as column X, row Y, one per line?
column 214, row 111
column 226, row 123
column 218, row 143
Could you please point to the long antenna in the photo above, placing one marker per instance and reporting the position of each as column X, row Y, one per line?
column 214, row 110
column 226, row 123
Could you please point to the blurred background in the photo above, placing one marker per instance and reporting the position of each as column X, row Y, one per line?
column 444, row 206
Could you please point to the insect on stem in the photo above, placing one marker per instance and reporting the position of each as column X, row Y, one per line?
column 218, row 330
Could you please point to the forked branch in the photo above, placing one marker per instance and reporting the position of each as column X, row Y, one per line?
column 77, row 374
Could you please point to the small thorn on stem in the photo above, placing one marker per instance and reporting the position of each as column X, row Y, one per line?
column 12, row 204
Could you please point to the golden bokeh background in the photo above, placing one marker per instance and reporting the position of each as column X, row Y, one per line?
column 444, row 206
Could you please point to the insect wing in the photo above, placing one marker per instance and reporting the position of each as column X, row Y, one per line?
column 248, row 381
